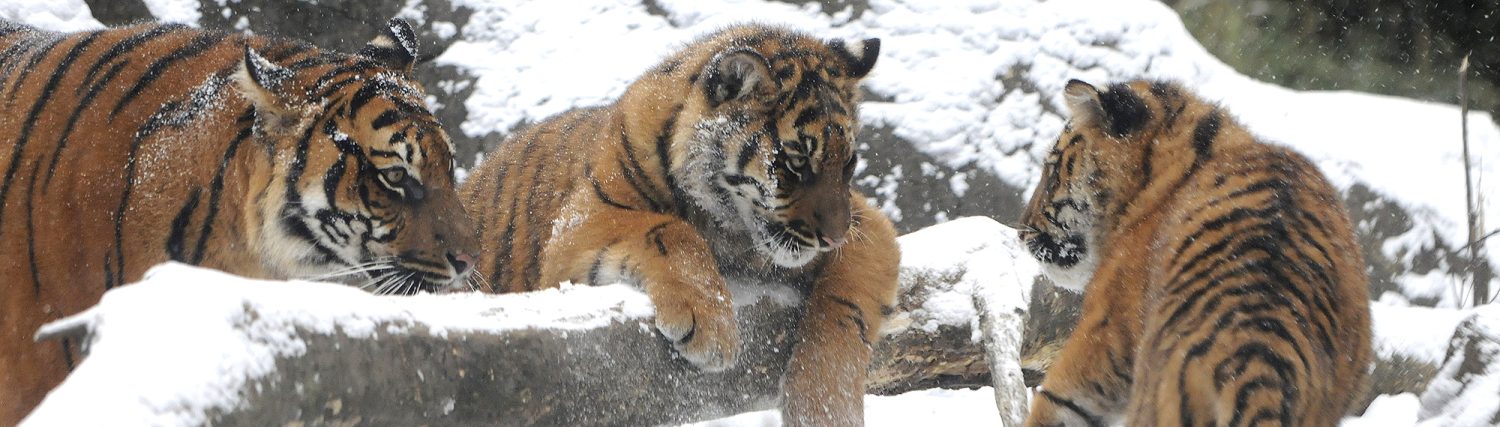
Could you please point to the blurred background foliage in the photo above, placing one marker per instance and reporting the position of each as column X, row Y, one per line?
column 1409, row 48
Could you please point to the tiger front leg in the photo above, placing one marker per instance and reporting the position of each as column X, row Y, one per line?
column 1087, row 384
column 825, row 379
column 671, row 262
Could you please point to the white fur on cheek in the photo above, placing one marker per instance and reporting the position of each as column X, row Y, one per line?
column 284, row 253
column 791, row 258
column 1075, row 278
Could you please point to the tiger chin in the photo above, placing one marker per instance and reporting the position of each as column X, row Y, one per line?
column 1222, row 281
column 731, row 158
column 262, row 157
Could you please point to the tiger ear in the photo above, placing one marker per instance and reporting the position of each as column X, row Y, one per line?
column 1117, row 109
column 737, row 74
column 860, row 54
column 396, row 46
column 263, row 83
column 1083, row 101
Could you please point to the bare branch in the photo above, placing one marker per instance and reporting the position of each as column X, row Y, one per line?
column 1480, row 240
column 1471, row 210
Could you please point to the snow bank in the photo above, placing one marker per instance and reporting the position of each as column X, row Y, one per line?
column 1388, row 411
column 54, row 15
column 1417, row 332
column 185, row 341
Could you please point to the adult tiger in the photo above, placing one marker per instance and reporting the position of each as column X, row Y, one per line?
column 1223, row 283
column 732, row 157
column 267, row 158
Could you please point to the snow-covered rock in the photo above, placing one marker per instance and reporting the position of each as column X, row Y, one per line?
column 1466, row 391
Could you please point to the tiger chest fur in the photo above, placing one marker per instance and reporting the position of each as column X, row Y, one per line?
column 1222, row 283
column 731, row 157
column 267, row 158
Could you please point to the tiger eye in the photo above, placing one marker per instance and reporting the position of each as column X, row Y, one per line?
column 394, row 176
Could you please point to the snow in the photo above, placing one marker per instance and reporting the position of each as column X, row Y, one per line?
column 140, row 370
column 1388, row 410
column 178, row 11
column 53, row 15
column 1428, row 336
column 923, row 407
column 986, row 257
column 1467, row 392
column 1420, row 333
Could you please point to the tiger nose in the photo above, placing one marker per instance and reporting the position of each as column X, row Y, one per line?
column 834, row 243
column 460, row 262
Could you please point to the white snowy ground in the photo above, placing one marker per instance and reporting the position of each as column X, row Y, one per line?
column 938, row 83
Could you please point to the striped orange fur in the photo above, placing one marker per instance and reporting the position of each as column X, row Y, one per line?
column 127, row 147
column 731, row 158
column 1222, row 282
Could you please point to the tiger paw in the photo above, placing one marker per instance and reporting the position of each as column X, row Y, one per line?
column 702, row 330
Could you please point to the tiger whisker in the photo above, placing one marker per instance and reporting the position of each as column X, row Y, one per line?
column 407, row 285
column 351, row 270
column 378, row 283
column 857, row 235
column 385, row 288
column 478, row 282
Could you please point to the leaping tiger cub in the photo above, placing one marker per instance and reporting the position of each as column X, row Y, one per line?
column 732, row 157
column 1222, row 282
column 268, row 158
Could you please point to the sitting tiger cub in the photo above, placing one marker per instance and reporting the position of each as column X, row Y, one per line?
column 1223, row 282
column 269, row 158
column 733, row 157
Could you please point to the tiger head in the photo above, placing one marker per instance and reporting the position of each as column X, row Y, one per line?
column 1096, row 168
column 359, row 186
column 771, row 146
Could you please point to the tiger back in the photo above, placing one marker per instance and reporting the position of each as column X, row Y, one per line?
column 733, row 157
column 1222, row 282
column 124, row 148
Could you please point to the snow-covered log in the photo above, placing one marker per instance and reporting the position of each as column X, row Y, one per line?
column 190, row 346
